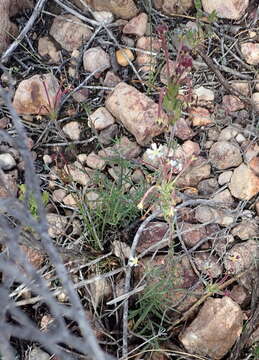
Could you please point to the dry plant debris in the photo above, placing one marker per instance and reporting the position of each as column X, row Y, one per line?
column 129, row 179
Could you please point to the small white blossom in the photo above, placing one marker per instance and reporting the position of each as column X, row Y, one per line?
column 155, row 151
column 133, row 262
column 176, row 164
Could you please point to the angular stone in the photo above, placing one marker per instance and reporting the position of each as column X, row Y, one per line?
column 200, row 116
column 244, row 183
column 77, row 173
column 205, row 214
column 47, row 48
column 250, row 52
column 123, row 148
column 232, row 103
column 208, row 186
column 208, row 264
column 174, row 6
column 227, row 133
column 224, row 155
column 241, row 257
column 182, row 130
column 203, row 94
column 96, row 60
column 197, row 171
column 100, row 119
column 224, row 197
column 105, row 17
column 231, row 9
column 192, row 234
column 246, row 230
column 69, row 31
column 136, row 111
column 124, row 9
column 32, row 97
column 240, row 295
column 95, row 162
column 137, row 25
column 255, row 98
column 215, row 329
column 57, row 225
column 152, row 234
column 111, row 80
column 72, row 130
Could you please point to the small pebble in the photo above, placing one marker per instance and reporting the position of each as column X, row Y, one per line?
column 7, row 162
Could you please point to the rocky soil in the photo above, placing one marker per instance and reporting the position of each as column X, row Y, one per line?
column 138, row 122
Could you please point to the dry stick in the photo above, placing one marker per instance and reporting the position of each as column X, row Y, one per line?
column 223, row 81
column 23, row 33
column 76, row 13
column 188, row 313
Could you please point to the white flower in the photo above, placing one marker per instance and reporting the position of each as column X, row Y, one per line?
column 155, row 152
column 133, row 262
column 176, row 164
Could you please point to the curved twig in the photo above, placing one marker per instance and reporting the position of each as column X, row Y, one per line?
column 40, row 4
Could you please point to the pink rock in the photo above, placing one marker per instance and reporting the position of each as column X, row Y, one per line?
column 230, row 9
column 208, row 264
column 191, row 148
column 232, row 103
column 95, row 59
column 242, row 87
column 255, row 98
column 192, row 234
column 224, row 155
column 203, row 95
column 137, row 25
column 244, row 183
column 69, row 31
column 100, row 119
column 32, row 97
column 197, row 171
column 200, row 116
column 246, row 230
column 250, row 52
column 111, row 80
column 47, row 48
column 240, row 295
column 174, row 6
column 215, row 329
column 254, row 165
column 241, row 257
column 182, row 130
column 136, row 111
column 95, row 162
column 151, row 235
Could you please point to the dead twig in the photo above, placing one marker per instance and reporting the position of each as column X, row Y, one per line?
column 36, row 12
column 223, row 81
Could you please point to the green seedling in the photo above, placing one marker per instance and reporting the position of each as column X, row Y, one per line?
column 33, row 206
